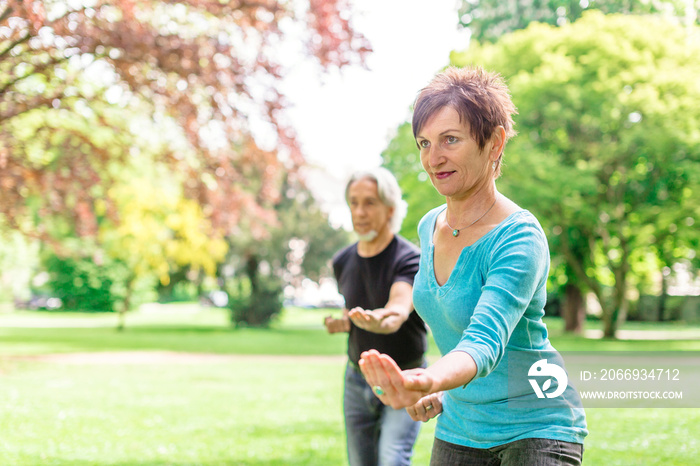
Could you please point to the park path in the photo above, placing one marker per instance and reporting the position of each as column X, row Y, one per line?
column 167, row 357
column 680, row 334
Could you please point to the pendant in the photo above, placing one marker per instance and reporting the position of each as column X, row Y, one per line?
column 455, row 232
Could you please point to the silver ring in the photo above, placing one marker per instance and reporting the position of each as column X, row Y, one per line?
column 429, row 407
column 378, row 390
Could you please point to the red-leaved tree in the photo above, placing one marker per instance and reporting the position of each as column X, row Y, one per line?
column 76, row 80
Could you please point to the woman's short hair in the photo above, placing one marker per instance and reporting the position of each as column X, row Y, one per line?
column 388, row 190
column 481, row 99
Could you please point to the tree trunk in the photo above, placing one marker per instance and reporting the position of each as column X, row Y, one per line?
column 623, row 307
column 245, row 313
column 573, row 309
column 620, row 304
column 663, row 297
column 251, row 267
column 615, row 313
column 121, row 322
column 609, row 321
column 122, row 310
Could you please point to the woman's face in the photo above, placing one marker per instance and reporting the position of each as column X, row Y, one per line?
column 451, row 157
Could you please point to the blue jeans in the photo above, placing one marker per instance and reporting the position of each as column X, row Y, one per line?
column 525, row 452
column 377, row 434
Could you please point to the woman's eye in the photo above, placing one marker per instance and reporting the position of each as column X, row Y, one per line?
column 423, row 144
column 451, row 139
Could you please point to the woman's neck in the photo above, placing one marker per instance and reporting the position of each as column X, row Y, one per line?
column 464, row 210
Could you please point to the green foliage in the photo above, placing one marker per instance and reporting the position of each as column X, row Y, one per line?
column 80, row 284
column 488, row 20
column 94, row 283
column 256, row 307
column 179, row 291
column 299, row 244
column 303, row 230
column 160, row 233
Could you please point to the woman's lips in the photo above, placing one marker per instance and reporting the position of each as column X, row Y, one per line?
column 442, row 175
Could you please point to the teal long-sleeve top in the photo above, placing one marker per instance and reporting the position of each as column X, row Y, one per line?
column 491, row 307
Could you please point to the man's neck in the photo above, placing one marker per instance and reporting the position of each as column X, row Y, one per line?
column 375, row 246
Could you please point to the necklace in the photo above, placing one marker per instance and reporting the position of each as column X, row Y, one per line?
column 455, row 231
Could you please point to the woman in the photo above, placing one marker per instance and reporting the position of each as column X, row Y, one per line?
column 481, row 288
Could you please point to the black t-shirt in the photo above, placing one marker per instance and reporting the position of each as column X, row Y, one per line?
column 366, row 282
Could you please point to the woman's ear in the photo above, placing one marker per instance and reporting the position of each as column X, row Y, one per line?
column 497, row 143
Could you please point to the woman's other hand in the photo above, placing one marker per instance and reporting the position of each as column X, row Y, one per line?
column 428, row 407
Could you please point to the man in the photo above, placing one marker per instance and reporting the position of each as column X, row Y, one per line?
column 375, row 275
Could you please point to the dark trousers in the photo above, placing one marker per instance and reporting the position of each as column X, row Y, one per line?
column 525, row 452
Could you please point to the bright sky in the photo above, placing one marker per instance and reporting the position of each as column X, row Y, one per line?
column 346, row 119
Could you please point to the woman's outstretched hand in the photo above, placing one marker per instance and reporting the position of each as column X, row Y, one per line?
column 394, row 387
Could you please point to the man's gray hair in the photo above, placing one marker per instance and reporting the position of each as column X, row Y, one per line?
column 388, row 189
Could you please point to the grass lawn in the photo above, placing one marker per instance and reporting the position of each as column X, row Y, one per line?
column 237, row 413
column 246, row 408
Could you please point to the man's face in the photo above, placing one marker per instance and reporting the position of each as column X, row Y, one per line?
column 369, row 215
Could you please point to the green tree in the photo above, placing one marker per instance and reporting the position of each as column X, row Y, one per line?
column 81, row 283
column 159, row 232
column 488, row 20
column 676, row 243
column 299, row 245
column 609, row 144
